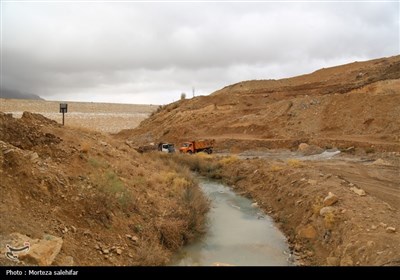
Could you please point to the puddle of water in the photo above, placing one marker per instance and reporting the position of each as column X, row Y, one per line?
column 238, row 234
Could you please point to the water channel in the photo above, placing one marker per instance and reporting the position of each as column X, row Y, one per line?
column 239, row 233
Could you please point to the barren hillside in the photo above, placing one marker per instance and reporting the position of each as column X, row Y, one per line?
column 357, row 104
column 353, row 107
column 81, row 198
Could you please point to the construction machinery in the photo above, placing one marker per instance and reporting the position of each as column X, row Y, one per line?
column 197, row 146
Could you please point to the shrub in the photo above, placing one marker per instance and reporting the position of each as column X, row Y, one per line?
column 329, row 220
column 317, row 205
column 113, row 188
column 85, row 147
column 295, row 163
column 113, row 184
column 228, row 160
column 198, row 206
column 370, row 150
column 97, row 163
column 275, row 168
column 149, row 253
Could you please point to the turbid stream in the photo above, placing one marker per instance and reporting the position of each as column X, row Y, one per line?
column 239, row 234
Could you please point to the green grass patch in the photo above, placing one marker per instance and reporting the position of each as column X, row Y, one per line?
column 97, row 163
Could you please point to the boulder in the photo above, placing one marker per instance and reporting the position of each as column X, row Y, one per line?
column 105, row 251
column 34, row 157
column 254, row 205
column 43, row 251
column 390, row 229
column 308, row 232
column 307, row 150
column 135, row 239
column 326, row 210
column 303, row 147
column 358, row 191
column 330, row 199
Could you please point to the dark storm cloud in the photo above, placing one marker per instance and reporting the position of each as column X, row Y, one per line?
column 151, row 52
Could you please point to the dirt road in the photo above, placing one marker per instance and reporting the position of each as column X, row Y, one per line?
column 378, row 177
column 381, row 180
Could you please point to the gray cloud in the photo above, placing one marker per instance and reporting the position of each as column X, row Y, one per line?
column 151, row 52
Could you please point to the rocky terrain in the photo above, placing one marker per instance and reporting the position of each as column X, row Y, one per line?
column 320, row 153
column 80, row 197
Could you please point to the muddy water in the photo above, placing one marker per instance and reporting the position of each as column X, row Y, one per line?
column 238, row 234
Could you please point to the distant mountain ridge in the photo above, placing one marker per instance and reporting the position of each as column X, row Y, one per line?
column 15, row 94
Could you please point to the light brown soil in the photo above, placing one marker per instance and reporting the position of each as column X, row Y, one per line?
column 109, row 204
column 352, row 105
column 354, row 108
column 355, row 233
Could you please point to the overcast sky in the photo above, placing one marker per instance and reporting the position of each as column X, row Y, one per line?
column 150, row 53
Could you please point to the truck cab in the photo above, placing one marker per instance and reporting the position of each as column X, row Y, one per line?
column 186, row 147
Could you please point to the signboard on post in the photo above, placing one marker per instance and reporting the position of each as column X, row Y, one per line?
column 63, row 110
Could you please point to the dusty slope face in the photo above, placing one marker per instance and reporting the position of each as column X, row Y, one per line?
column 356, row 104
column 109, row 204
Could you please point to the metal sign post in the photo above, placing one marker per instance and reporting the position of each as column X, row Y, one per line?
column 63, row 109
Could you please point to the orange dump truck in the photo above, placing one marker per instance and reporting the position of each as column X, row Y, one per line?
column 197, row 146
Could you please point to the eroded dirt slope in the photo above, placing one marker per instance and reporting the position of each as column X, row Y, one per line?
column 82, row 198
column 357, row 104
